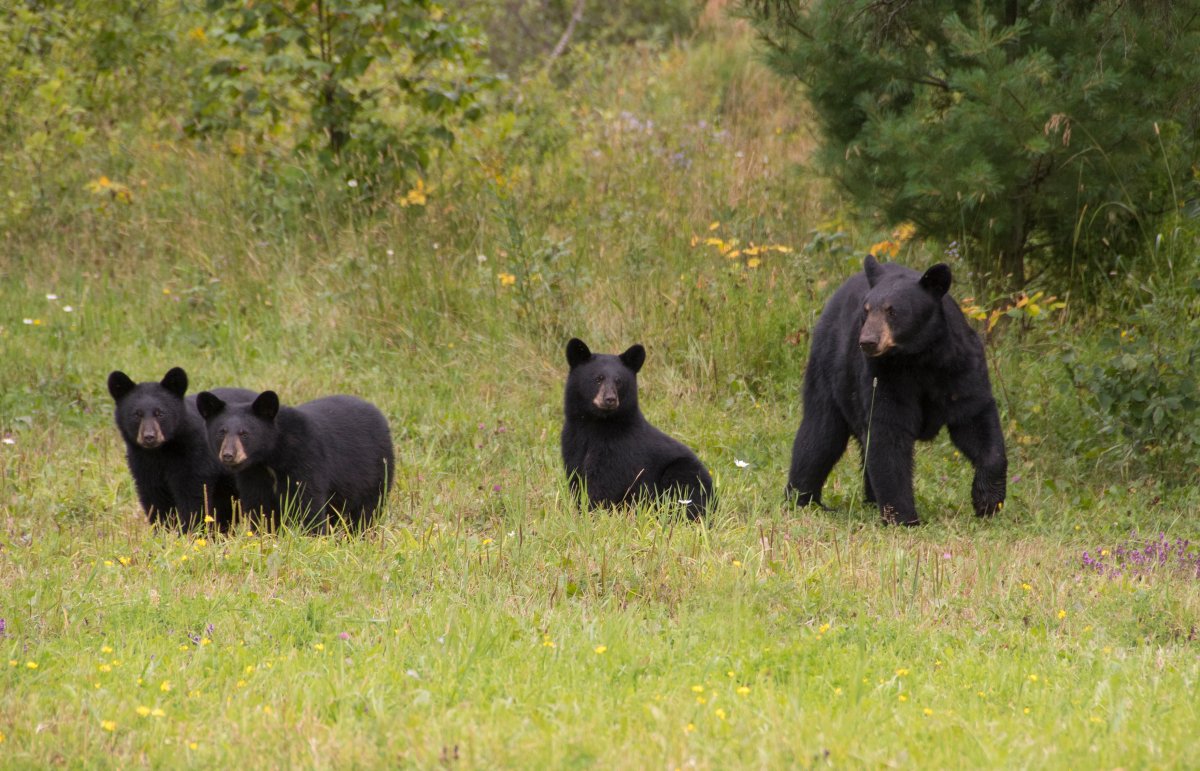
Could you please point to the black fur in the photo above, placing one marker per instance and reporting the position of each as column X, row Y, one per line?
column 173, row 471
column 933, row 375
column 610, row 449
column 324, row 463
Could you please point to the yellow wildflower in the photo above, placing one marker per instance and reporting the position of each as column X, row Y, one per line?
column 108, row 725
column 416, row 196
column 600, row 648
column 904, row 231
column 885, row 249
column 506, row 279
column 143, row 711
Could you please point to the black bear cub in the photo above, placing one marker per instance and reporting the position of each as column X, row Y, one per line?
column 611, row 450
column 325, row 463
column 178, row 480
column 893, row 360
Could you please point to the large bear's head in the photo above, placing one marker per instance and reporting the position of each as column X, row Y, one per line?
column 902, row 310
column 600, row 385
column 240, row 435
column 149, row 414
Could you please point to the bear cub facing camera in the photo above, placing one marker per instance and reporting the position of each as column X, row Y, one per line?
column 322, row 464
column 178, row 481
column 893, row 360
column 610, row 450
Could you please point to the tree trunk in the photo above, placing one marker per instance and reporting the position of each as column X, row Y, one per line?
column 1012, row 255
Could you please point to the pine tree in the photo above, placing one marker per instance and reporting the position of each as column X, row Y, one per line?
column 1041, row 135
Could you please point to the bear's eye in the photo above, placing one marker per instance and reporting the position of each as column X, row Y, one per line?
column 599, row 378
column 158, row 413
column 221, row 432
column 137, row 413
column 890, row 311
column 243, row 434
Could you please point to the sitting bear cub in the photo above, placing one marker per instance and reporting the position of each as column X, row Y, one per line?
column 611, row 450
column 324, row 463
column 893, row 360
column 178, row 480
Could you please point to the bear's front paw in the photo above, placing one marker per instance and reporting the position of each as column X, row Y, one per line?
column 988, row 508
column 799, row 498
column 891, row 516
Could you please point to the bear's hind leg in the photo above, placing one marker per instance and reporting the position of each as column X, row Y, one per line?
column 689, row 481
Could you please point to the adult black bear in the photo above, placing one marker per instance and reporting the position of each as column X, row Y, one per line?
column 178, row 481
column 893, row 360
column 610, row 449
column 324, row 463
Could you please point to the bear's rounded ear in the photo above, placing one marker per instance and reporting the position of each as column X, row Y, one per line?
column 266, row 406
column 175, row 381
column 634, row 358
column 873, row 269
column 209, row 405
column 936, row 280
column 577, row 352
column 120, row 384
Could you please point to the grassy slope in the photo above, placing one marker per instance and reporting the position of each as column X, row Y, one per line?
column 498, row 626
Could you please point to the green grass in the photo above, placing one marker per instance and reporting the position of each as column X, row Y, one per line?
column 484, row 627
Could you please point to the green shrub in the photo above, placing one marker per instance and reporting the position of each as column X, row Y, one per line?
column 1140, row 391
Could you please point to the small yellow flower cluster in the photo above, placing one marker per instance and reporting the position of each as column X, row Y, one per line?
column 115, row 190
column 752, row 254
column 416, row 196
column 506, row 279
column 1023, row 306
column 891, row 247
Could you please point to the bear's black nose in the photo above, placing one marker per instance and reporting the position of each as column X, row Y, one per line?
column 610, row 401
column 226, row 457
column 869, row 347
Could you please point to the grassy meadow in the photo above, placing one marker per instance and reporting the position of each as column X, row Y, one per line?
column 486, row 622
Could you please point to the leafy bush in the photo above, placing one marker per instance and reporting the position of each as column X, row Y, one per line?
column 382, row 82
column 1142, row 394
column 1054, row 131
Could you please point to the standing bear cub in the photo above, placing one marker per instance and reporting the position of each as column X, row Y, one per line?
column 178, row 480
column 610, row 450
column 324, row 463
column 893, row 360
